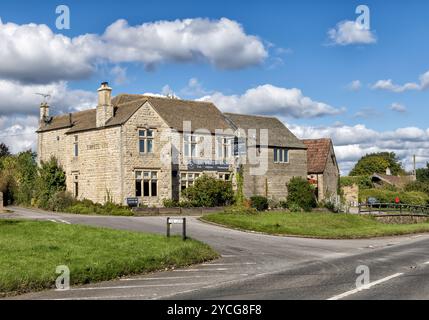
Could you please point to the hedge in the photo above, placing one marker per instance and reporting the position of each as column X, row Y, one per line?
column 386, row 196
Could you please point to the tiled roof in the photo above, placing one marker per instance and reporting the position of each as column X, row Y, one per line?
column 278, row 134
column 398, row 181
column 317, row 154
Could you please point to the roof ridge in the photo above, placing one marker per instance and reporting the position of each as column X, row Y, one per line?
column 252, row 115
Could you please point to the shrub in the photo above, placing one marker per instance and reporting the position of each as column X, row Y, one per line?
column 283, row 204
column 61, row 201
column 210, row 192
column 295, row 208
column 259, row 203
column 169, row 203
column 241, row 210
column 51, row 179
column 300, row 194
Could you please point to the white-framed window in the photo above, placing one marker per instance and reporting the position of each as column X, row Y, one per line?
column 224, row 176
column 146, row 183
column 146, row 137
column 76, row 146
column 190, row 146
column 224, row 148
column 187, row 179
column 281, row 155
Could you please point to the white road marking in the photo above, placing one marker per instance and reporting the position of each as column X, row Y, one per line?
column 64, row 221
column 228, row 256
column 369, row 285
column 229, row 264
column 190, row 270
column 133, row 287
column 52, row 220
column 162, row 278
column 427, row 262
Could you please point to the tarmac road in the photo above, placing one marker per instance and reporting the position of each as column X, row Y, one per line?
column 256, row 266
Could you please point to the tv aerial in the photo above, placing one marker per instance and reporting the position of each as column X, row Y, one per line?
column 45, row 96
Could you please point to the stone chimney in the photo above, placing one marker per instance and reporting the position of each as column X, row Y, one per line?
column 388, row 171
column 44, row 112
column 104, row 107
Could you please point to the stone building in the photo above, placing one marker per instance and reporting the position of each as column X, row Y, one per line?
column 323, row 171
column 151, row 148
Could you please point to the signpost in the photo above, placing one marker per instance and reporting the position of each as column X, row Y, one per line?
column 171, row 221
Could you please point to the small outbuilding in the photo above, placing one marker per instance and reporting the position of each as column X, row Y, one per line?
column 323, row 171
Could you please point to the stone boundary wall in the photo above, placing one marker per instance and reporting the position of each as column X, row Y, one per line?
column 175, row 211
column 401, row 218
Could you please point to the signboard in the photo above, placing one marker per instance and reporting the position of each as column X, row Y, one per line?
column 133, row 202
column 207, row 165
column 176, row 221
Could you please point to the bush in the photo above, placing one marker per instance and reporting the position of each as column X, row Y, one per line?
column 169, row 203
column 386, row 196
column 417, row 186
column 301, row 194
column 283, row 204
column 259, row 203
column 241, row 210
column 210, row 192
column 88, row 207
column 61, row 201
column 51, row 179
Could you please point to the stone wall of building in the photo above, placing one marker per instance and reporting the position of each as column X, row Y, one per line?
column 328, row 181
column 273, row 184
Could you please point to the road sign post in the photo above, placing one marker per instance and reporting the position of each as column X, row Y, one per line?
column 181, row 221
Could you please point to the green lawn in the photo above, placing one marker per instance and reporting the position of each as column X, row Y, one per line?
column 318, row 225
column 31, row 251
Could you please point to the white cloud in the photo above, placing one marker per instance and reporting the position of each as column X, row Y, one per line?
column 397, row 107
column 355, row 85
column 18, row 132
column 390, row 86
column 34, row 53
column 353, row 142
column 271, row 100
column 194, row 88
column 18, row 98
column 350, row 32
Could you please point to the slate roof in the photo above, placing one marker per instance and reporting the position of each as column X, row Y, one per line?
column 203, row 115
column 317, row 154
column 278, row 134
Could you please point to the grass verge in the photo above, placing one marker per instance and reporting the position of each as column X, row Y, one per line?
column 31, row 251
column 317, row 225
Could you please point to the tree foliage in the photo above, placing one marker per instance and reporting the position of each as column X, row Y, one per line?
column 50, row 180
column 423, row 174
column 4, row 150
column 377, row 163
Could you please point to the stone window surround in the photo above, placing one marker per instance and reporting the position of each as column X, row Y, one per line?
column 283, row 152
column 152, row 177
column 189, row 179
column 146, row 138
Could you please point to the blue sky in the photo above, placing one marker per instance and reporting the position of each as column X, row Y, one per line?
column 299, row 54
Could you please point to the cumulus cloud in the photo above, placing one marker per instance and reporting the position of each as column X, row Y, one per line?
column 194, row 88
column 390, row 86
column 18, row 132
column 353, row 142
column 351, row 32
column 34, row 53
column 271, row 100
column 397, row 107
column 17, row 98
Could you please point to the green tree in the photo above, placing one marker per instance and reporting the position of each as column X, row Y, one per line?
column 25, row 176
column 377, row 163
column 51, row 179
column 423, row 174
column 4, row 150
column 301, row 194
